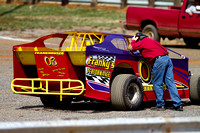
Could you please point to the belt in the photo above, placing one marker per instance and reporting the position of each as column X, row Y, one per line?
column 159, row 56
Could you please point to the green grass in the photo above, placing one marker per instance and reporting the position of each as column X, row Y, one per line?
column 20, row 17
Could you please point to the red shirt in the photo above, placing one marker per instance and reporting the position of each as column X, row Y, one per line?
column 149, row 48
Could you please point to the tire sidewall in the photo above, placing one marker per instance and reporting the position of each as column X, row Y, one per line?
column 154, row 31
column 195, row 88
column 127, row 102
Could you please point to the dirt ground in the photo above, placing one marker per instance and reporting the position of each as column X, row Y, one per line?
column 36, row 33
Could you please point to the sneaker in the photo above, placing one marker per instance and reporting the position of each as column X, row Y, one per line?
column 179, row 108
column 162, row 108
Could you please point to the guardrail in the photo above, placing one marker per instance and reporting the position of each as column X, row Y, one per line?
column 117, row 125
column 145, row 3
column 163, row 3
column 156, row 3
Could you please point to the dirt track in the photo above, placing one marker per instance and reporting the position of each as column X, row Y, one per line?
column 24, row 108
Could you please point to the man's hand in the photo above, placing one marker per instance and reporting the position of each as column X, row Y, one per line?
column 129, row 47
column 135, row 38
column 190, row 13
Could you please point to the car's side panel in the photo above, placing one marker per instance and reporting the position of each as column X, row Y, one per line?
column 98, row 73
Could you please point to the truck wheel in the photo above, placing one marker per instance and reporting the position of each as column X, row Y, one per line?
column 195, row 88
column 191, row 42
column 54, row 101
column 151, row 32
column 126, row 92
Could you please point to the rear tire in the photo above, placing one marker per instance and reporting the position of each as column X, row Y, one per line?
column 195, row 88
column 126, row 92
column 54, row 101
column 151, row 32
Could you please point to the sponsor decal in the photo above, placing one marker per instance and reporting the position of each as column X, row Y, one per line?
column 98, row 71
column 145, row 71
column 50, row 61
column 50, row 53
column 99, row 61
column 50, row 64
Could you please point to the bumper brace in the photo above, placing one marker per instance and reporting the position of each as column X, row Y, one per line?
column 34, row 89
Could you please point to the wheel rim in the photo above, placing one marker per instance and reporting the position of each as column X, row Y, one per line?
column 133, row 93
column 150, row 33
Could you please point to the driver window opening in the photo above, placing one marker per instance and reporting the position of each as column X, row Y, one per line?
column 193, row 6
column 53, row 43
column 119, row 43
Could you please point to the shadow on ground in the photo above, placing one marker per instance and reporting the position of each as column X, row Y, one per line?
column 99, row 107
column 11, row 10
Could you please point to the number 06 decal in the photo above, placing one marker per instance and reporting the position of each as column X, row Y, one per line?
column 144, row 70
column 50, row 61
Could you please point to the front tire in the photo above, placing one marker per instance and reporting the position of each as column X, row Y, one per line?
column 195, row 88
column 126, row 92
column 152, row 32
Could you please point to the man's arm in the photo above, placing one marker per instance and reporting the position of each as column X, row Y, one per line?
column 191, row 10
column 129, row 47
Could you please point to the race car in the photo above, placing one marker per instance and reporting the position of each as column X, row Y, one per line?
column 77, row 65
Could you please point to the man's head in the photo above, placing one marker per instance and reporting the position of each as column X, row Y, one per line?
column 197, row 2
column 139, row 36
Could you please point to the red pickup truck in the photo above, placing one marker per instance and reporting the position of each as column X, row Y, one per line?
column 172, row 23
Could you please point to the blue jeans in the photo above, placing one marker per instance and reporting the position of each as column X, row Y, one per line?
column 163, row 73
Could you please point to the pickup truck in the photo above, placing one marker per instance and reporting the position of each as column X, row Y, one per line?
column 71, row 66
column 169, row 23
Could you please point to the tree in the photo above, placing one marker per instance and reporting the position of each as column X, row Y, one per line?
column 177, row 2
column 34, row 2
column 94, row 3
column 123, row 4
column 64, row 2
column 151, row 3
column 8, row 1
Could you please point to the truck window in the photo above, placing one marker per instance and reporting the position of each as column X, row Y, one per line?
column 193, row 6
column 119, row 43
column 189, row 3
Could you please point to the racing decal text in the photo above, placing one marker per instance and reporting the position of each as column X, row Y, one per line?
column 59, row 69
column 98, row 72
column 100, row 63
column 99, row 78
column 50, row 61
column 55, row 53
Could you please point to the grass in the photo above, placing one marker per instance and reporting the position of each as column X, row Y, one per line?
column 20, row 17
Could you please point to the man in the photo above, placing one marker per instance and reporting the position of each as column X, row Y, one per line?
column 157, row 56
column 193, row 8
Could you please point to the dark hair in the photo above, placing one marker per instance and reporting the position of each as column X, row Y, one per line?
column 140, row 36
